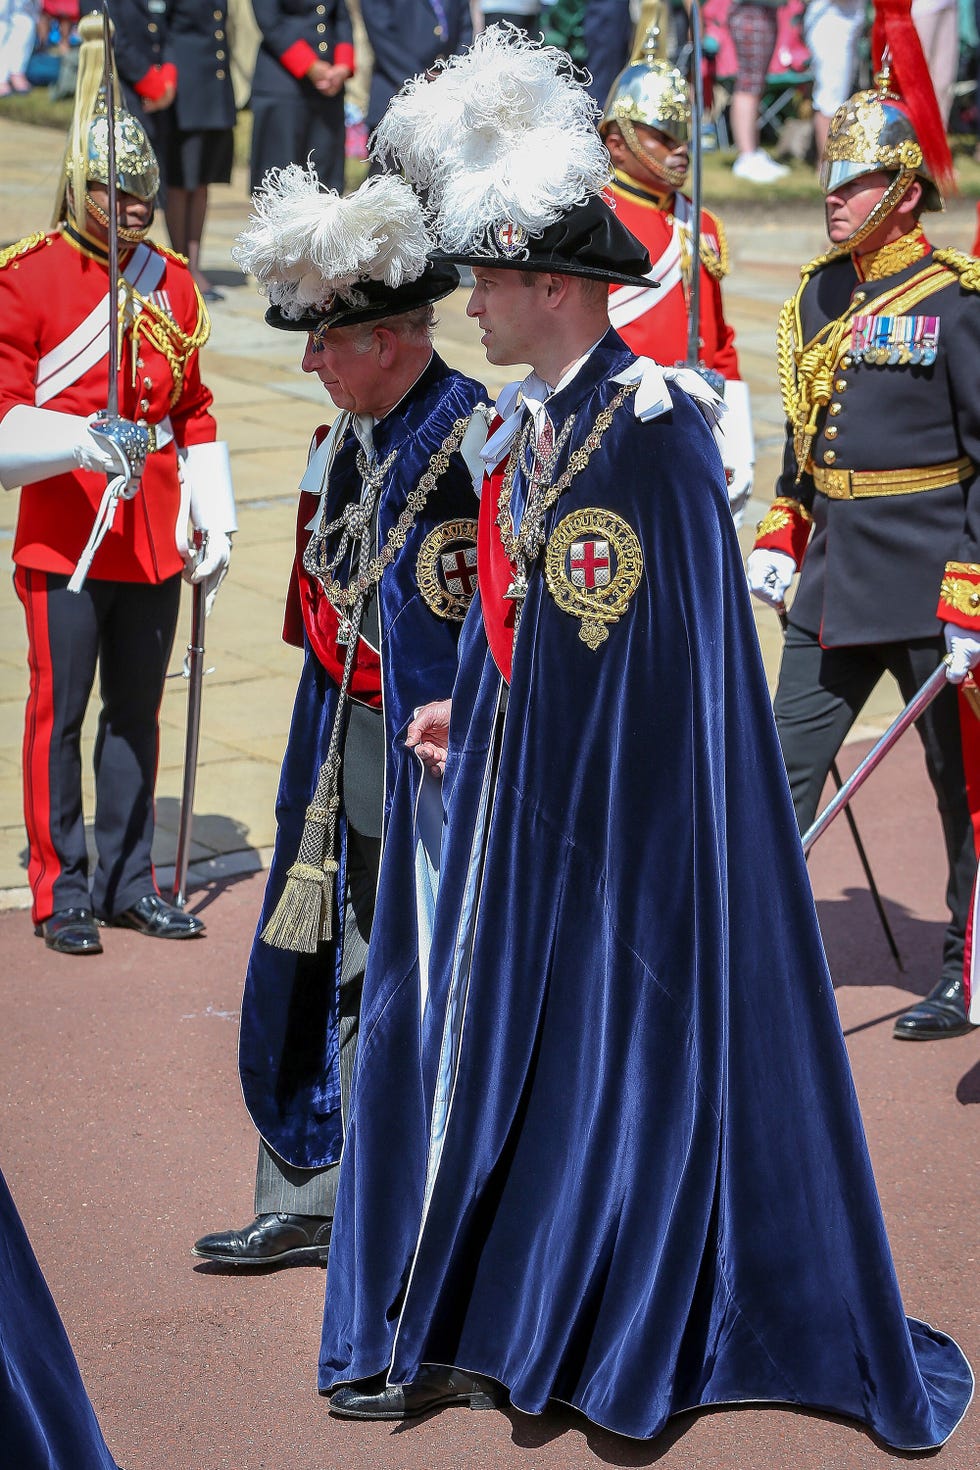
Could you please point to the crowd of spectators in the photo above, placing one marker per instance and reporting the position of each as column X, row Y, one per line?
column 321, row 96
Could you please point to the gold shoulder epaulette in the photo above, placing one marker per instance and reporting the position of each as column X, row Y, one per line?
column 967, row 267
column 170, row 254
column 22, row 247
column 718, row 265
column 818, row 262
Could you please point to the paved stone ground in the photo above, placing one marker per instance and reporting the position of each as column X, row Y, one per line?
column 122, row 1132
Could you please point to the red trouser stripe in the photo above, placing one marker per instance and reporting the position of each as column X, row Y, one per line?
column 44, row 865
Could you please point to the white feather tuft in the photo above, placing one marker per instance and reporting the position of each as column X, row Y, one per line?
column 503, row 132
column 305, row 244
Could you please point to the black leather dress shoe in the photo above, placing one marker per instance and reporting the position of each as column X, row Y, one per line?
column 71, row 931
column 153, row 915
column 271, row 1240
column 942, row 1013
column 434, row 1388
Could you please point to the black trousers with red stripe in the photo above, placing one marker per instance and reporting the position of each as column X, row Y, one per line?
column 125, row 630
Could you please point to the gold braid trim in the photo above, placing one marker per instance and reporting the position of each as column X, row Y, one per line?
column 22, row 247
column 806, row 372
column 967, row 267
column 176, row 345
column 718, row 265
column 961, row 595
column 783, row 511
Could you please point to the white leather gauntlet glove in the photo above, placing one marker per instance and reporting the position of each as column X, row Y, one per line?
column 212, row 506
column 770, row 574
column 738, row 447
column 964, row 650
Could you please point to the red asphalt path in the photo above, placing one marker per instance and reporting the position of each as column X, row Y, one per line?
column 123, row 1137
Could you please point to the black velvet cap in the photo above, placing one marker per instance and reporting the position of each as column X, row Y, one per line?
column 588, row 240
column 439, row 279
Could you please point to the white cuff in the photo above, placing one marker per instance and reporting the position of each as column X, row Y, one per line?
column 207, row 468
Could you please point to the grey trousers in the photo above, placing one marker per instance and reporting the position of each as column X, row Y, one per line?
column 281, row 1188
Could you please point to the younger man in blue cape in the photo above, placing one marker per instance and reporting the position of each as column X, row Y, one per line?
column 385, row 568
column 633, row 1175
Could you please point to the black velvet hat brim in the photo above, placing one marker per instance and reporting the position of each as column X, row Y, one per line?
column 440, row 278
column 587, row 241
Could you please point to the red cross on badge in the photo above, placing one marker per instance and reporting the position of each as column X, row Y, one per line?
column 459, row 571
column 590, row 564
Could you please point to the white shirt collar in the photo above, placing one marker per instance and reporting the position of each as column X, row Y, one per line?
column 532, row 393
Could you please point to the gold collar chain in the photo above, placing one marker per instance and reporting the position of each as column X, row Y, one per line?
column 344, row 598
column 523, row 547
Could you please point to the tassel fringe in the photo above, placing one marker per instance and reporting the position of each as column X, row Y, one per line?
column 303, row 917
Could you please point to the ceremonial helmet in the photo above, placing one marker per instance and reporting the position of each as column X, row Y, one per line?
column 87, row 152
column 872, row 131
column 650, row 90
column 894, row 127
column 503, row 148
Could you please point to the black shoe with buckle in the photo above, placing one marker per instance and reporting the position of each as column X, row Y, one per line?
column 159, row 919
column 71, row 931
column 940, row 1014
column 271, row 1240
column 434, row 1388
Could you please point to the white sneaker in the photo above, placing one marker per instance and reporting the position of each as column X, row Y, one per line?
column 758, row 168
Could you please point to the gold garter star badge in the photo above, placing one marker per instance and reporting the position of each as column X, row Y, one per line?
column 446, row 569
column 593, row 565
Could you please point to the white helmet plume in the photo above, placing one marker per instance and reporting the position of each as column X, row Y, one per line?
column 305, row 244
column 503, row 132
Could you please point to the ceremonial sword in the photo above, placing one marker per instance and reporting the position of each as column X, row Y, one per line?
column 194, row 673
column 859, row 846
column 919, row 702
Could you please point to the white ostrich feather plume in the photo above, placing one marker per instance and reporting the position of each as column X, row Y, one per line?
column 305, row 244
column 503, row 132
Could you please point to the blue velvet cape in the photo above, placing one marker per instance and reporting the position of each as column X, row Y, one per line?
column 289, row 1040
column 648, row 1183
column 46, row 1419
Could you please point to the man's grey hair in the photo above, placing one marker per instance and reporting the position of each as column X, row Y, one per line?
column 414, row 327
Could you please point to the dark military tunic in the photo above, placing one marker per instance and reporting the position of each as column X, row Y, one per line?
column 887, row 503
column 290, row 118
column 875, row 561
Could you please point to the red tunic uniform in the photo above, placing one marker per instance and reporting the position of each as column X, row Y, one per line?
column 653, row 321
column 53, row 354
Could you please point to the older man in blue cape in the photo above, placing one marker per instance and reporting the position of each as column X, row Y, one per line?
column 384, row 571
column 633, row 1175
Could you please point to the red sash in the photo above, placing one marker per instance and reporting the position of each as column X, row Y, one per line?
column 306, row 600
column 322, row 624
column 495, row 570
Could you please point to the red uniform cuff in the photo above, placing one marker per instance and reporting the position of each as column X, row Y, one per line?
column 784, row 527
column 298, row 58
column 959, row 595
column 157, row 80
column 343, row 55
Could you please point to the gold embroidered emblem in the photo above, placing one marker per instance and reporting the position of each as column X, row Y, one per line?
column 783, row 511
column 593, row 565
column 961, row 595
column 446, row 569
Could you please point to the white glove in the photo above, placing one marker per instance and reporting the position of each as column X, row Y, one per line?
column 207, row 469
column 210, row 566
column 770, row 573
column 738, row 446
column 39, row 443
column 964, row 650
